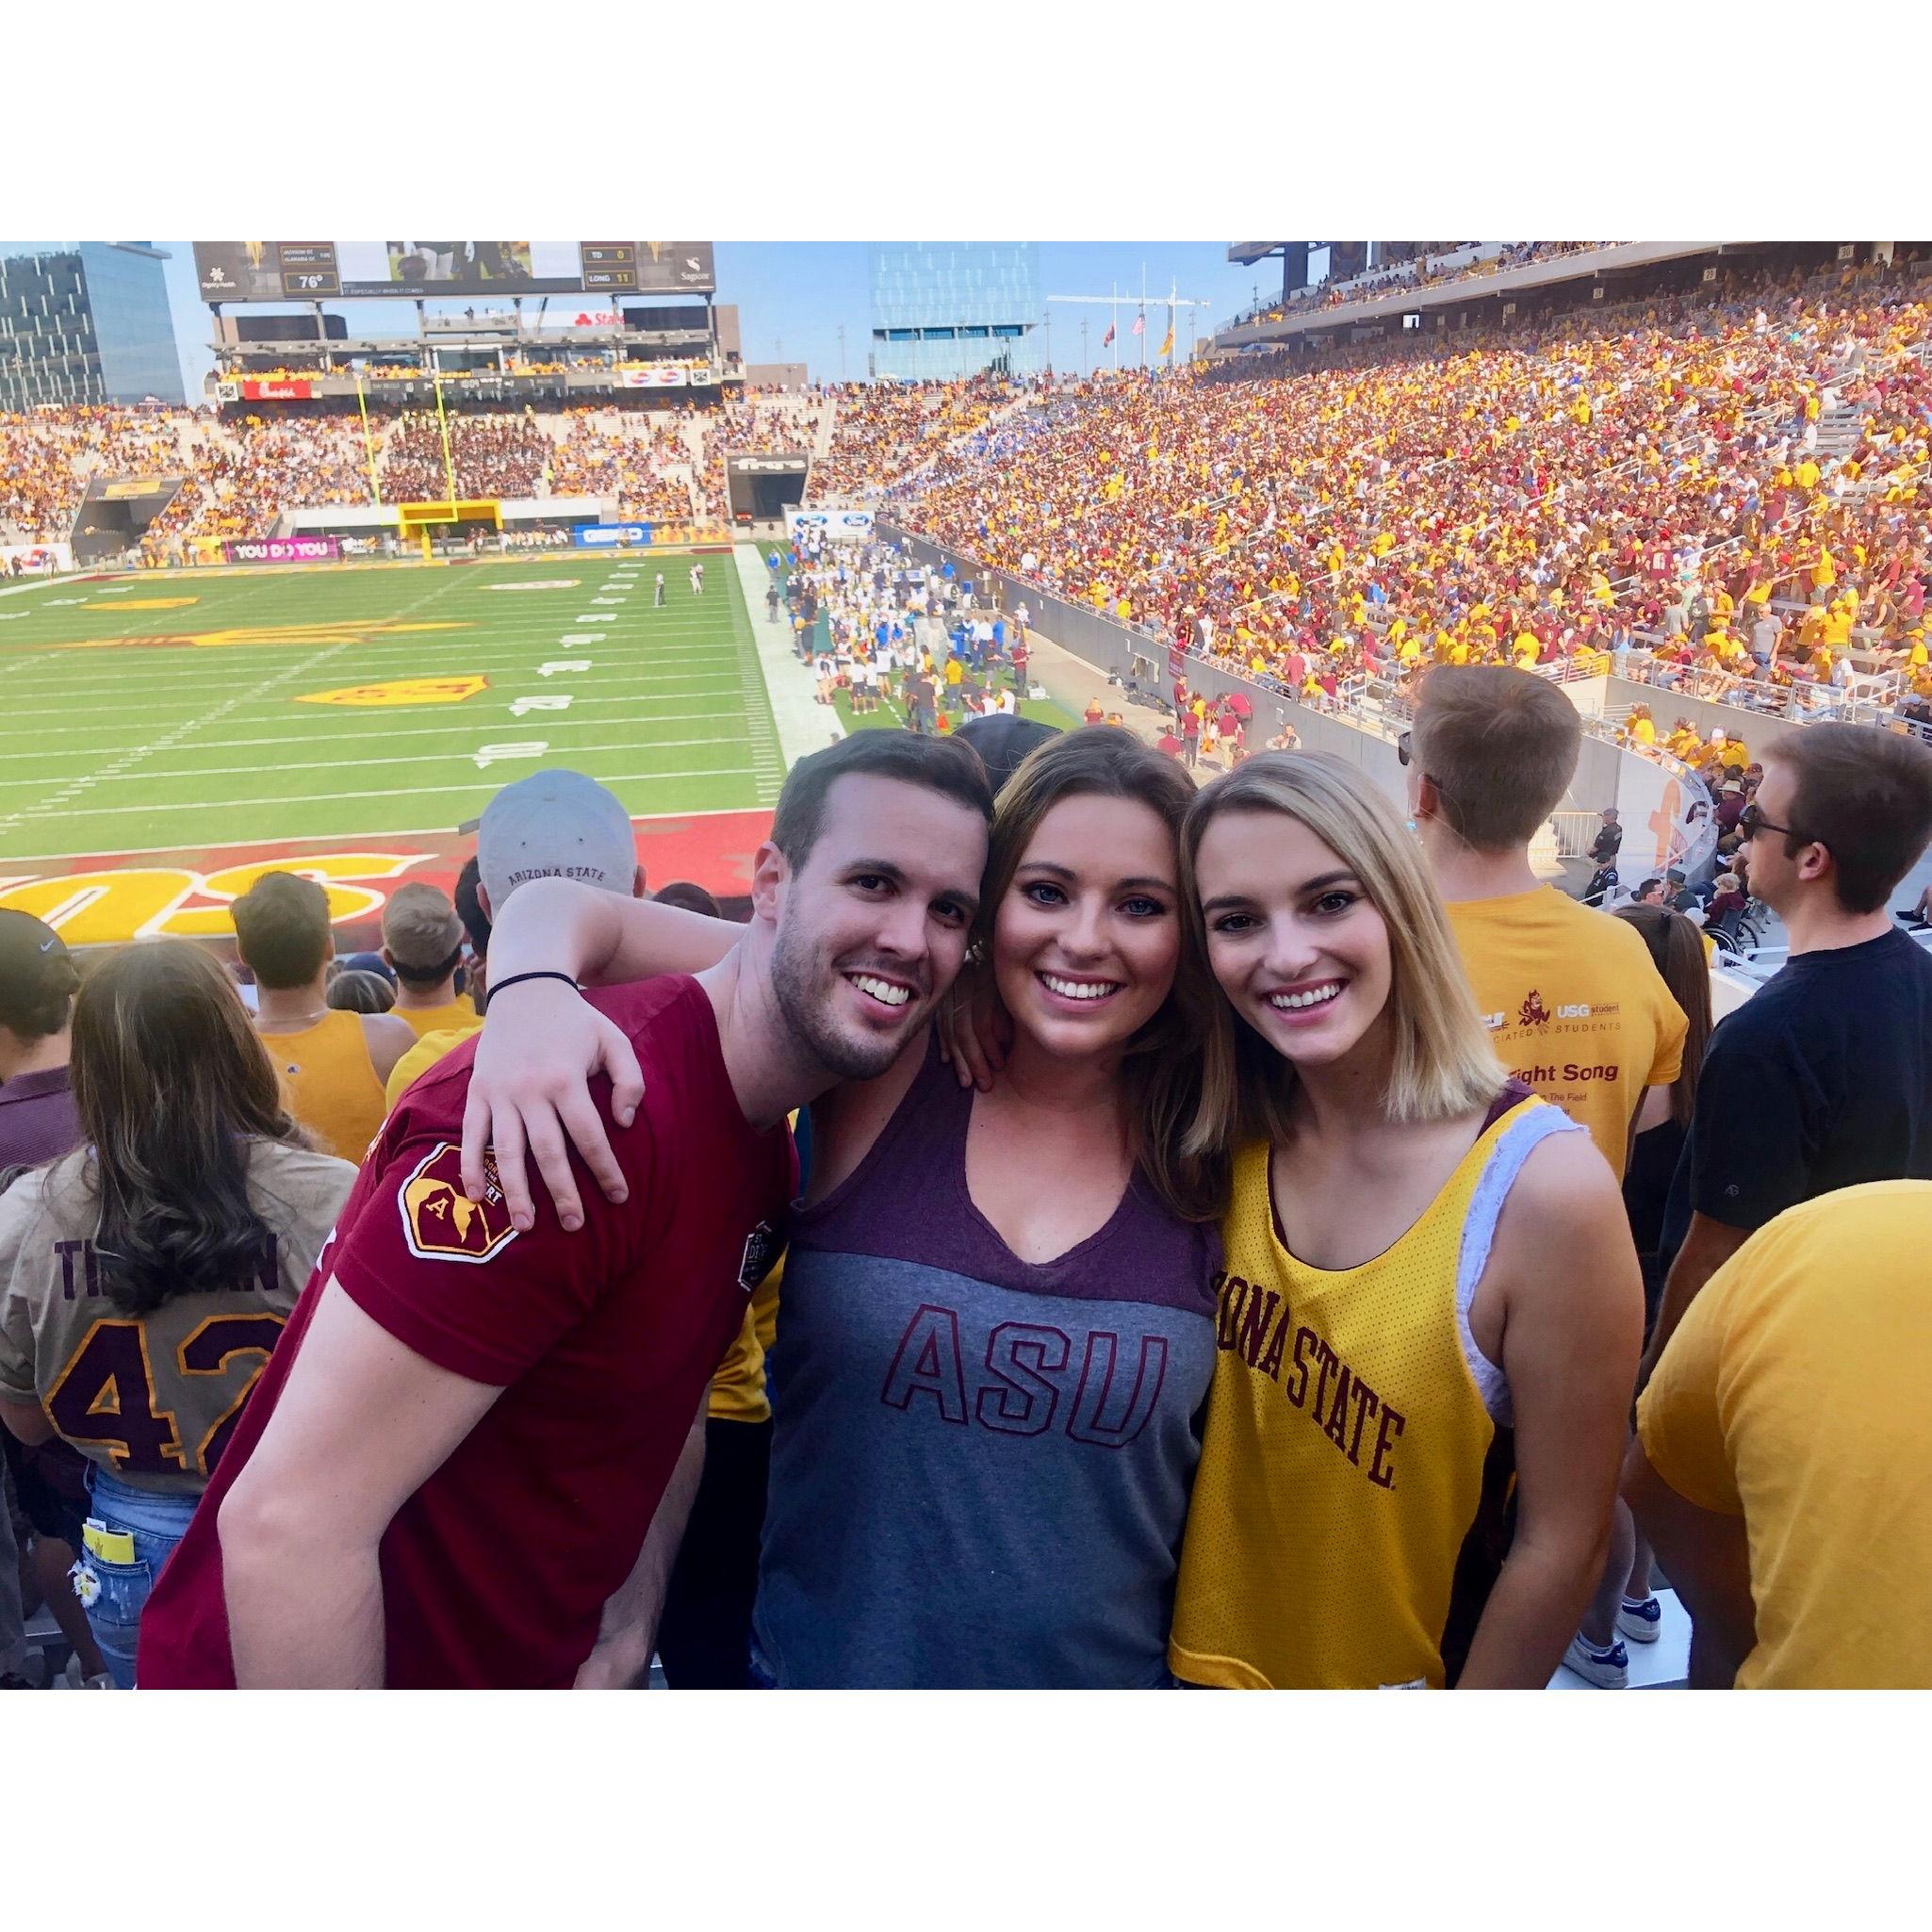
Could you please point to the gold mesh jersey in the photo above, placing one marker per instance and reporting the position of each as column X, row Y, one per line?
column 1348, row 1518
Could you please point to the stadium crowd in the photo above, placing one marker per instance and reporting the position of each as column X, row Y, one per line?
column 1527, row 500
column 882, row 430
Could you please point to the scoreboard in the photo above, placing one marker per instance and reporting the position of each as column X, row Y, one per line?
column 609, row 264
column 235, row 271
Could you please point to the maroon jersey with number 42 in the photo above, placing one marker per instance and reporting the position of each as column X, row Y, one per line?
column 496, row 1571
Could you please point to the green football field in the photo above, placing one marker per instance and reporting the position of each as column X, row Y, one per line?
column 205, row 707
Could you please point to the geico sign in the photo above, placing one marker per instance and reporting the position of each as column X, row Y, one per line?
column 102, row 908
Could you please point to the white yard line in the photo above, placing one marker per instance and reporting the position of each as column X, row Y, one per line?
column 344, row 841
column 483, row 784
column 371, row 761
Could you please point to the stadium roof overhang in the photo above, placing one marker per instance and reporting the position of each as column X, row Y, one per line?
column 1622, row 258
column 1246, row 254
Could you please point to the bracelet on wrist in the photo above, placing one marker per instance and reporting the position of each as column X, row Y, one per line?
column 518, row 978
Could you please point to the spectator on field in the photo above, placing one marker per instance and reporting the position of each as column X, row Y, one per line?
column 356, row 990
column 37, row 982
column 1781, row 1464
column 188, row 1220
column 548, row 825
column 1823, row 1079
column 422, row 942
column 332, row 1064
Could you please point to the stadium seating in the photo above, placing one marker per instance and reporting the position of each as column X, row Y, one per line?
column 1529, row 497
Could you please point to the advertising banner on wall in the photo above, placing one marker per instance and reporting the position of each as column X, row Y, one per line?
column 848, row 526
column 609, row 536
column 283, row 550
column 667, row 376
column 285, row 391
column 19, row 559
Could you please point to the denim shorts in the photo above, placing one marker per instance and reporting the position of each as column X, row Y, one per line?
column 130, row 1535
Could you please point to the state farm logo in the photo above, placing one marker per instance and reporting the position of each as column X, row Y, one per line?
column 1532, row 1012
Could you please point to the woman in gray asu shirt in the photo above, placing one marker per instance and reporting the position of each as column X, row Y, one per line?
column 995, row 1334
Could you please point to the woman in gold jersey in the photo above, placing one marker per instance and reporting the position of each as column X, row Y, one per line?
column 1431, row 1311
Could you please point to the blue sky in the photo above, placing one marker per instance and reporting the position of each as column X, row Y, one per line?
column 795, row 294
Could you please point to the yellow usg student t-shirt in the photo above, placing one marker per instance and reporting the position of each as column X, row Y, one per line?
column 1575, row 1005
column 1793, row 1394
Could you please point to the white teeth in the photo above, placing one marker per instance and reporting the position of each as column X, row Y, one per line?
column 1080, row 990
column 1293, row 1002
column 881, row 990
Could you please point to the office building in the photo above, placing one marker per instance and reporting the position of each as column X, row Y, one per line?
column 90, row 324
column 946, row 309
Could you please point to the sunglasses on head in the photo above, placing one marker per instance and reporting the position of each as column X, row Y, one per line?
column 1403, row 745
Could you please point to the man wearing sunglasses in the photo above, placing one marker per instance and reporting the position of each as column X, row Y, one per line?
column 1824, row 1078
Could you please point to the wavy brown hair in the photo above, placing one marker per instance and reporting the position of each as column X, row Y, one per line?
column 171, row 1082
column 1677, row 946
column 1159, row 1066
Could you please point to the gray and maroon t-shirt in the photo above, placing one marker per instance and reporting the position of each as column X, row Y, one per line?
column 980, row 1466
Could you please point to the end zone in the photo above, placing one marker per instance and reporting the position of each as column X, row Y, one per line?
column 111, row 897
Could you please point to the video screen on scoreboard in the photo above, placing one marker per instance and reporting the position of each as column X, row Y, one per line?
column 362, row 270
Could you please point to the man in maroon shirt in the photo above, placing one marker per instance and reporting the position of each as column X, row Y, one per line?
column 449, row 1473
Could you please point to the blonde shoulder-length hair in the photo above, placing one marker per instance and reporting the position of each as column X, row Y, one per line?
column 1443, row 1064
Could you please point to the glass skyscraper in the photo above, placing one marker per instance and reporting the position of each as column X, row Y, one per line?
column 89, row 325
column 952, row 308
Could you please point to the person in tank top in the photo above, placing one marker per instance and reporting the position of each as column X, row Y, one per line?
column 331, row 1065
column 1431, row 1308
column 995, row 1333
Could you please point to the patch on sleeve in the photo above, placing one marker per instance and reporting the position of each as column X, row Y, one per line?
column 440, row 1222
column 763, row 1247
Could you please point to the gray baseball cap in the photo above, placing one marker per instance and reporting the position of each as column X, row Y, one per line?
column 554, row 824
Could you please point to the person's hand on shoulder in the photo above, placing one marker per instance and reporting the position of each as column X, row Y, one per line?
column 530, row 1093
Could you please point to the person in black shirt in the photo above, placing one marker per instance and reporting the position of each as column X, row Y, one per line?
column 1824, row 1078
column 1608, row 840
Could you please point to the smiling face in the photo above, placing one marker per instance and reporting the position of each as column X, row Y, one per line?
column 874, row 925
column 1294, row 941
column 1087, row 938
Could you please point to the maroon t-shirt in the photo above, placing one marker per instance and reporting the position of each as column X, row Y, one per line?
column 38, row 1121
column 496, row 1571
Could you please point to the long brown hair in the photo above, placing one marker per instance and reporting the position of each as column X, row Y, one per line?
column 1678, row 947
column 1159, row 1066
column 171, row 1081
